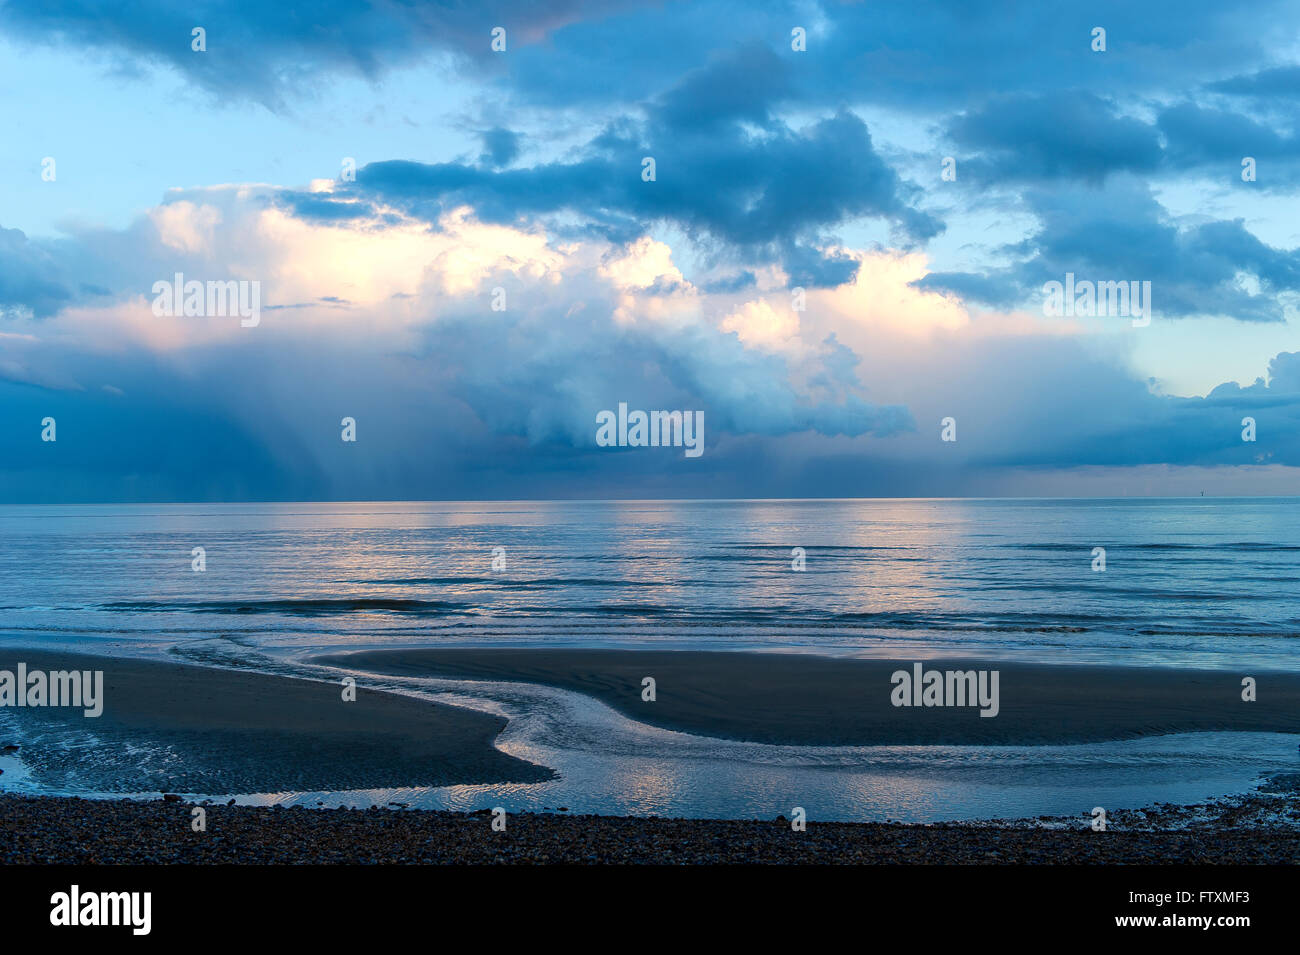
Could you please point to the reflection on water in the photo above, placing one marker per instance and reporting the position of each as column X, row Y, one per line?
column 1200, row 582
column 608, row 764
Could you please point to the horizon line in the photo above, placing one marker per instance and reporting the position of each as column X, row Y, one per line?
column 655, row 500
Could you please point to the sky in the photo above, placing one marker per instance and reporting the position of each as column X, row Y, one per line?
column 840, row 256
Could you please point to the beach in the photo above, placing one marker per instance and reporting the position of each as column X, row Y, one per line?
column 230, row 731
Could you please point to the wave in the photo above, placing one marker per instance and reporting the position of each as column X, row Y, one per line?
column 1235, row 546
column 782, row 617
column 298, row 607
column 536, row 583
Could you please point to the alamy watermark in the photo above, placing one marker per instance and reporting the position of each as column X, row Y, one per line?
column 78, row 688
column 75, row 907
column 922, row 687
column 653, row 429
column 213, row 299
column 1088, row 299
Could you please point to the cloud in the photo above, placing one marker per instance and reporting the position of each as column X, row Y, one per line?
column 500, row 147
column 270, row 53
column 1119, row 232
column 1065, row 134
column 754, row 197
column 185, row 226
column 1077, row 136
column 30, row 277
column 394, row 325
column 1279, row 82
column 936, row 59
column 1199, row 136
column 932, row 59
column 775, row 169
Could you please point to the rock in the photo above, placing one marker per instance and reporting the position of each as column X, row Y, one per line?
column 9, row 748
column 171, row 797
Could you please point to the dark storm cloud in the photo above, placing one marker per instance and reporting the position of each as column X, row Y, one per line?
column 725, row 172
column 273, row 52
column 929, row 53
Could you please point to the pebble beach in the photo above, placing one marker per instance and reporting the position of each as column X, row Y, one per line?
column 53, row 830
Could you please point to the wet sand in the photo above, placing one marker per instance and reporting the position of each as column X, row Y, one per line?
column 198, row 729
column 810, row 700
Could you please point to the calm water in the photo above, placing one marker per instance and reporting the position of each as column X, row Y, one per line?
column 1193, row 582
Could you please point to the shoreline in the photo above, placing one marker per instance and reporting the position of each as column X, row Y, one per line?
column 804, row 699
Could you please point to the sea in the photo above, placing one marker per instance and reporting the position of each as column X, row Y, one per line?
column 1189, row 582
